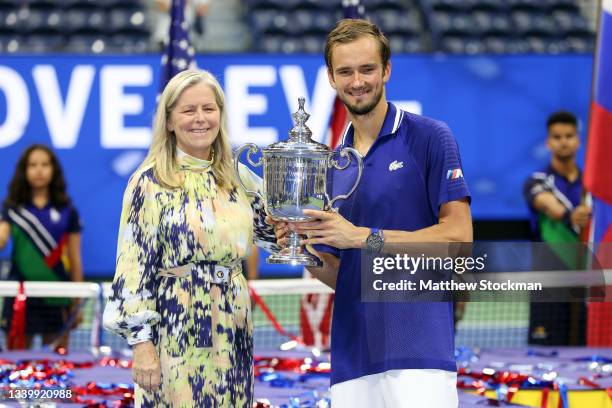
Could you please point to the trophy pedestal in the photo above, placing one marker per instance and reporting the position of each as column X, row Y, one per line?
column 294, row 253
column 303, row 258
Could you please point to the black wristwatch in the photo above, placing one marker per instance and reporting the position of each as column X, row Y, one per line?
column 375, row 241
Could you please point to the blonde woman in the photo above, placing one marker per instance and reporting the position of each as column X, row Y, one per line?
column 179, row 297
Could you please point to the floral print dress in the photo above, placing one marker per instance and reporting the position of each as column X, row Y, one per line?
column 202, row 330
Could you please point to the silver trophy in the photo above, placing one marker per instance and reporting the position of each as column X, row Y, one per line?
column 295, row 179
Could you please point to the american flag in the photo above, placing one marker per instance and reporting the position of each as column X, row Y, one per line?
column 338, row 121
column 353, row 9
column 180, row 54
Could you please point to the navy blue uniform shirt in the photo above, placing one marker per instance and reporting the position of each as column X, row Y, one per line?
column 569, row 194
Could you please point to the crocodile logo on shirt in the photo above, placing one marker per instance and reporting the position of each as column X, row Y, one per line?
column 394, row 165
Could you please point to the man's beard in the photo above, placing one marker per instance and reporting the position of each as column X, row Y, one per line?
column 364, row 110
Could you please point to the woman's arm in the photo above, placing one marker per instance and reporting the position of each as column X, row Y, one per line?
column 131, row 308
column 263, row 232
column 74, row 256
column 5, row 232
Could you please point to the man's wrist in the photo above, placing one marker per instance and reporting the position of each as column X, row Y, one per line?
column 567, row 218
column 360, row 237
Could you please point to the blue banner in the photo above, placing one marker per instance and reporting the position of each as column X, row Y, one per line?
column 96, row 112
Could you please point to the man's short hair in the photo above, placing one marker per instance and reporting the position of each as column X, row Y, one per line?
column 562, row 117
column 349, row 30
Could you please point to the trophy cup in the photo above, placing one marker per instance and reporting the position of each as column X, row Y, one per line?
column 294, row 179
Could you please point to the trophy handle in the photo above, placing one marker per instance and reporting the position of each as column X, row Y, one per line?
column 252, row 149
column 334, row 163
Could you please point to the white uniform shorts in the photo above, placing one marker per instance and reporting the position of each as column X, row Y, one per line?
column 422, row 388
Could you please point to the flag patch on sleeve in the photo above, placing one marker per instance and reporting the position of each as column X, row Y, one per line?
column 454, row 174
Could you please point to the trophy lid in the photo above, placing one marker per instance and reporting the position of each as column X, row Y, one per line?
column 300, row 137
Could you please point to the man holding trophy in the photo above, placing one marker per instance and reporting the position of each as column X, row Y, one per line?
column 412, row 190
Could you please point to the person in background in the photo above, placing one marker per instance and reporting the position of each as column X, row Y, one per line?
column 179, row 296
column 558, row 215
column 195, row 15
column 38, row 215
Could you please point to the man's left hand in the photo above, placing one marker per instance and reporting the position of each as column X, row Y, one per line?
column 331, row 228
column 581, row 216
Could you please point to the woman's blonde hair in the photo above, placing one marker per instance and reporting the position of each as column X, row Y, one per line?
column 162, row 153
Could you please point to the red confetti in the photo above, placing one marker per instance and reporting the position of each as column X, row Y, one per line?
column 296, row 365
column 55, row 374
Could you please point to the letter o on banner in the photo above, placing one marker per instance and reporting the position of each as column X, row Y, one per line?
column 17, row 106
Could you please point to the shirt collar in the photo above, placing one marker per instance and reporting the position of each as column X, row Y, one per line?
column 551, row 170
column 390, row 125
column 187, row 162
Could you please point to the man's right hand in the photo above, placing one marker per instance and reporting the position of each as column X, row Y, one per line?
column 146, row 369
column 581, row 216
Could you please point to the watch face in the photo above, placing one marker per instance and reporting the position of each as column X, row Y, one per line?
column 375, row 242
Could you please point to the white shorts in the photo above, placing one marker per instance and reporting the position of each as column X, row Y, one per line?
column 422, row 388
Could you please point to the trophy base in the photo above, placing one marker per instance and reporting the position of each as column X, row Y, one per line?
column 304, row 259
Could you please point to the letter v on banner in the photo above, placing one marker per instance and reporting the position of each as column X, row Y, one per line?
column 315, row 325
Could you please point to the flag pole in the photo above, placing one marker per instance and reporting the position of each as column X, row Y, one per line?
column 595, row 65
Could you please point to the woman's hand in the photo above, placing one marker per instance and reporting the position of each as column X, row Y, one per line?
column 146, row 369
column 281, row 229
